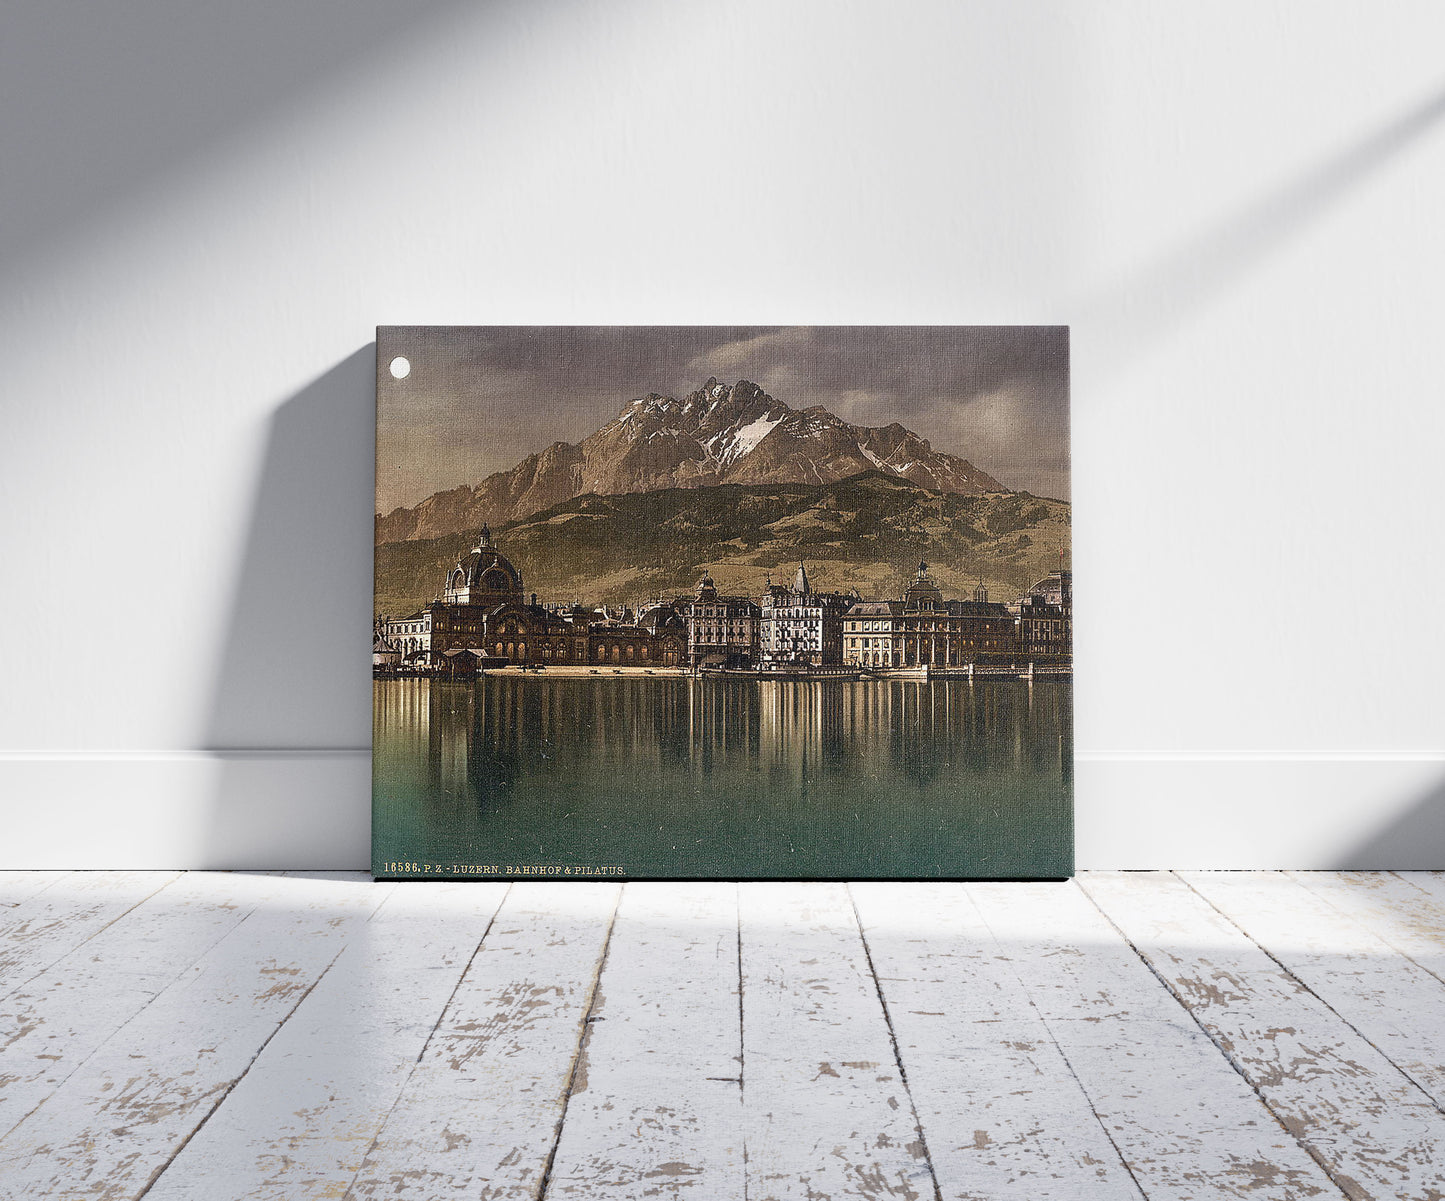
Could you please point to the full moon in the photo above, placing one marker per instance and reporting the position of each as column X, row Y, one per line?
column 400, row 367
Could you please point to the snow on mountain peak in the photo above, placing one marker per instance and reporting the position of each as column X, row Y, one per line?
column 716, row 434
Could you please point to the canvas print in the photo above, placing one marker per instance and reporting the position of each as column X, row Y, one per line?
column 723, row 602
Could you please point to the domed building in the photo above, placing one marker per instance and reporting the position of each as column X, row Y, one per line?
column 1045, row 616
column 923, row 592
column 483, row 618
column 944, row 634
column 484, row 576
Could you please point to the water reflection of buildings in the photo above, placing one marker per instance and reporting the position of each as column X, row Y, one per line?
column 482, row 617
column 473, row 745
column 719, row 775
column 890, row 732
column 458, row 748
column 724, row 776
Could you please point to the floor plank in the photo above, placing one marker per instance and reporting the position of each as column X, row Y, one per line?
column 52, row 1024
column 827, row 1112
column 1002, row 1115
column 1392, row 1002
column 226, row 1036
column 300, row 1123
column 16, row 887
column 47, row 925
column 656, row 1109
column 124, row 1114
column 479, row 1116
column 1401, row 908
column 1186, row 1124
column 1430, row 883
column 1374, row 1130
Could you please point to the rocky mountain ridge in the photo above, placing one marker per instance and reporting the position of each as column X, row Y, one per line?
column 718, row 434
column 866, row 532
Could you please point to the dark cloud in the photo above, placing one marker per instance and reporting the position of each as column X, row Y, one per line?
column 479, row 399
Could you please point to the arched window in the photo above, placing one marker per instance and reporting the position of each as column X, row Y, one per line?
column 459, row 578
column 511, row 650
column 521, row 650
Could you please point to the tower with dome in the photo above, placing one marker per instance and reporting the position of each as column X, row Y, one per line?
column 483, row 617
column 483, row 576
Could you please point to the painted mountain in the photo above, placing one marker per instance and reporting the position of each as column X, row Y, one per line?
column 866, row 532
column 719, row 434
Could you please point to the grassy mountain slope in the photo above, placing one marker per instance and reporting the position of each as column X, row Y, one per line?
column 865, row 532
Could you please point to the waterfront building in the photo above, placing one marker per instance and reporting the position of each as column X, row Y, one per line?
column 479, row 585
column 934, row 632
column 530, row 634
column 384, row 653
column 484, row 610
column 483, row 617
column 722, row 631
column 873, row 634
column 1044, row 620
column 656, row 638
column 798, row 626
column 1057, row 588
column 411, row 635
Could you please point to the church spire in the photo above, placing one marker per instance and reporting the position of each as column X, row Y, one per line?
column 800, row 579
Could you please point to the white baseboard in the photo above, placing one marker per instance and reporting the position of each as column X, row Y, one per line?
column 1364, row 811
column 311, row 809
column 186, row 809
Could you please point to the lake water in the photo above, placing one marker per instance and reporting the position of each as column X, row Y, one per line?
column 723, row 778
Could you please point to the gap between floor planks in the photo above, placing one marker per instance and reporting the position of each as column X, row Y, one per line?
column 839, row 1039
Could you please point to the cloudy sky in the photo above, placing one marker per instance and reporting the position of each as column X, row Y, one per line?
column 479, row 399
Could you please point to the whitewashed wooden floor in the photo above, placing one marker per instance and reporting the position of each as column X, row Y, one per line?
column 1190, row 1035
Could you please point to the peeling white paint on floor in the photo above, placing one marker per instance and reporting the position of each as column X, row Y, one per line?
column 1131, row 1035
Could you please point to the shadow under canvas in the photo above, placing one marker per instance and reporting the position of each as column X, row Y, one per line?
column 290, row 719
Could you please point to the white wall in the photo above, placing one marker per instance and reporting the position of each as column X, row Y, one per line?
column 205, row 208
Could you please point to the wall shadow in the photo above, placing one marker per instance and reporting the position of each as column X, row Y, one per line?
column 104, row 101
column 1414, row 842
column 290, row 713
column 1151, row 302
